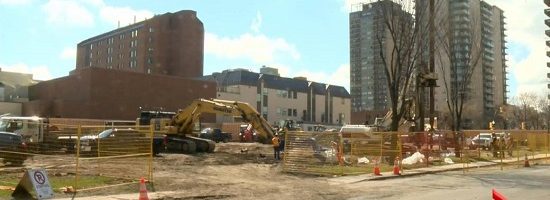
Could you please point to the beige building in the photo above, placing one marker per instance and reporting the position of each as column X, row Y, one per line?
column 14, row 90
column 279, row 98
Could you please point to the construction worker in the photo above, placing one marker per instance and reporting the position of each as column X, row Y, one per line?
column 276, row 143
column 494, row 145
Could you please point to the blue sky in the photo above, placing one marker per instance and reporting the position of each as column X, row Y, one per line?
column 301, row 38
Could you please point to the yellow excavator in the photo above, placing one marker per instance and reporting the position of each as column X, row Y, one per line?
column 178, row 131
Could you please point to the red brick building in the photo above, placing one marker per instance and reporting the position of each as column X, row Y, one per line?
column 97, row 93
column 169, row 44
column 151, row 64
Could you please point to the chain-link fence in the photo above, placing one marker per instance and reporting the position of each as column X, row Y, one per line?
column 77, row 158
column 332, row 153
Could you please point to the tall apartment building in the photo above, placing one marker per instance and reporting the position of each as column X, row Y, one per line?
column 547, row 22
column 474, row 29
column 278, row 98
column 368, row 86
column 168, row 44
column 465, row 23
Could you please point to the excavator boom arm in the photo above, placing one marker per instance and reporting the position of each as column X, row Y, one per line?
column 185, row 119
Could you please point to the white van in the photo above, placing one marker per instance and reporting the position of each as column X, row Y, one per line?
column 360, row 132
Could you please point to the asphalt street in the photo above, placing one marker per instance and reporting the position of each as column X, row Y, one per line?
column 522, row 183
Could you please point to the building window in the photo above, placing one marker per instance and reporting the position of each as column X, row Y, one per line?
column 133, row 64
column 265, row 101
column 283, row 93
column 134, row 33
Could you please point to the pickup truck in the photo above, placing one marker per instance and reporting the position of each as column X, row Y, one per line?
column 215, row 134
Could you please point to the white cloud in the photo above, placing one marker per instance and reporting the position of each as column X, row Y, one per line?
column 67, row 13
column 257, row 47
column 256, row 23
column 39, row 72
column 124, row 15
column 97, row 3
column 339, row 77
column 68, row 53
column 15, row 2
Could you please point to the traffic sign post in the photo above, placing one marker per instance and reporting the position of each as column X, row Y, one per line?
column 34, row 181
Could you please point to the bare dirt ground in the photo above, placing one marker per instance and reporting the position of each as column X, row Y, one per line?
column 234, row 171
column 238, row 171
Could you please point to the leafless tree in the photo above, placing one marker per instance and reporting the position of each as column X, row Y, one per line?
column 459, row 53
column 526, row 103
column 398, row 54
column 542, row 114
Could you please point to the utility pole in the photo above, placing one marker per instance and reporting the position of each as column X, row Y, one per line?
column 432, row 64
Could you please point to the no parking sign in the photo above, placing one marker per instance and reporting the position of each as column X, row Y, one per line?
column 33, row 181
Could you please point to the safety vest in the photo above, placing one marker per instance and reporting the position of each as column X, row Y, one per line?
column 275, row 141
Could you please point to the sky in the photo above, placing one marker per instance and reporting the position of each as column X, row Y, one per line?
column 299, row 37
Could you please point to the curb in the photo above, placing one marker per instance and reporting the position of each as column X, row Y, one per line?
column 486, row 164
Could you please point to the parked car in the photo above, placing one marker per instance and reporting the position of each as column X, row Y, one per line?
column 484, row 140
column 12, row 143
column 112, row 138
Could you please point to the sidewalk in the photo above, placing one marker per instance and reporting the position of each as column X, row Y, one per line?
column 429, row 170
column 152, row 195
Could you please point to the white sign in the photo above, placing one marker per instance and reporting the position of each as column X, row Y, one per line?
column 40, row 183
column 33, row 181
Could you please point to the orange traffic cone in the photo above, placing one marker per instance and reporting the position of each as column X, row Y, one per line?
column 142, row 190
column 396, row 170
column 526, row 162
column 498, row 196
column 377, row 168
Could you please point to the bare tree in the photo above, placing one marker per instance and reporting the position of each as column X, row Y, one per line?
column 459, row 53
column 527, row 106
column 526, row 103
column 544, row 104
column 398, row 55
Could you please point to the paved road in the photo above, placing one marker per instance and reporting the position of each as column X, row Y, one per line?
column 523, row 183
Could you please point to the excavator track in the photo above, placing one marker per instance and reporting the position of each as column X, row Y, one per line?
column 181, row 145
column 203, row 145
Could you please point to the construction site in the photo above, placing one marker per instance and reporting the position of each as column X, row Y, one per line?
column 89, row 158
